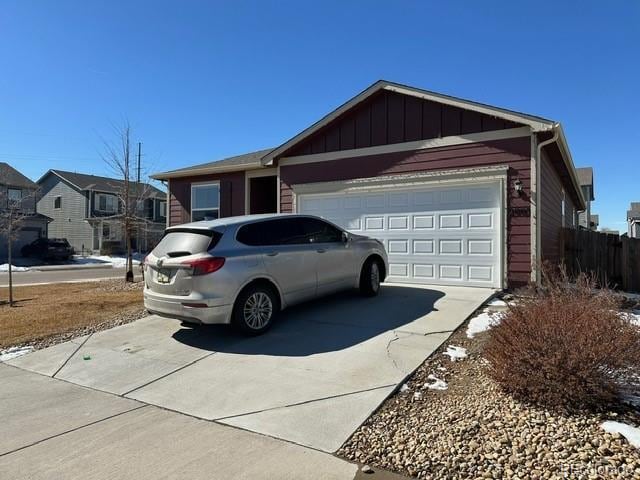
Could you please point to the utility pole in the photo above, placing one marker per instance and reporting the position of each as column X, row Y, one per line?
column 138, row 190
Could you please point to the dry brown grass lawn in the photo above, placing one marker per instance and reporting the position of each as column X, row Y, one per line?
column 47, row 310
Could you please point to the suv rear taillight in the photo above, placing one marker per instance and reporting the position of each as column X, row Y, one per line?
column 202, row 266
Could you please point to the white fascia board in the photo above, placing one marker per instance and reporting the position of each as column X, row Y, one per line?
column 408, row 146
column 206, row 171
column 568, row 160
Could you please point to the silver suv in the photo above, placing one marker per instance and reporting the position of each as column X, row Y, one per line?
column 244, row 270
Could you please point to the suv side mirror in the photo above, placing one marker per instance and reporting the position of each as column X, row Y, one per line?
column 345, row 237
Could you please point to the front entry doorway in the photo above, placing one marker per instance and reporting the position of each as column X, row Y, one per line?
column 263, row 194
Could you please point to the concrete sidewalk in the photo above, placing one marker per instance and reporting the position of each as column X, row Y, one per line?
column 53, row 429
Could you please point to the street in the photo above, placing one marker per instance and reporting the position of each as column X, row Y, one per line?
column 34, row 277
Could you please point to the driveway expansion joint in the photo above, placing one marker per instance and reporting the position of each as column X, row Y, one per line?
column 305, row 402
column 64, row 364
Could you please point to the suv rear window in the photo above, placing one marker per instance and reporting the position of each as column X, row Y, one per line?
column 186, row 241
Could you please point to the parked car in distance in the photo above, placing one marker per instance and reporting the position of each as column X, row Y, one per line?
column 48, row 249
column 244, row 270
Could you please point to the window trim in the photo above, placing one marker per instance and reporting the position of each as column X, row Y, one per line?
column 16, row 201
column 204, row 184
column 106, row 195
column 161, row 204
column 57, row 199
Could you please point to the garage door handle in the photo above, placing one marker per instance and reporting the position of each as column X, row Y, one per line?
column 272, row 254
column 321, row 250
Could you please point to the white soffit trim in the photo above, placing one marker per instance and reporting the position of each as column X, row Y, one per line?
column 206, row 170
column 460, row 175
column 408, row 146
column 536, row 123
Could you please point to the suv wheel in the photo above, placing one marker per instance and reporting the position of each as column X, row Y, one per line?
column 370, row 278
column 255, row 310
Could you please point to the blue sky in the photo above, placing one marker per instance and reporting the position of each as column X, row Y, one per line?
column 201, row 80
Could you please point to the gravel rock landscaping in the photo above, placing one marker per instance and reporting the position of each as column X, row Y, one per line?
column 473, row 430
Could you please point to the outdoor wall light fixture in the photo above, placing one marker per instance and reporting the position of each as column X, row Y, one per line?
column 517, row 186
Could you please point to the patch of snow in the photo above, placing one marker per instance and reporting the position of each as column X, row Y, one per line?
column 438, row 384
column 115, row 261
column 404, row 388
column 632, row 434
column 456, row 353
column 496, row 302
column 482, row 323
column 5, row 268
column 442, row 369
column 417, row 396
column 14, row 352
column 633, row 317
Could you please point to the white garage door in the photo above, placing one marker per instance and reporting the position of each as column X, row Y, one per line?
column 433, row 235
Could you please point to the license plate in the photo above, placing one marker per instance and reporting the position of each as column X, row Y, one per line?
column 162, row 276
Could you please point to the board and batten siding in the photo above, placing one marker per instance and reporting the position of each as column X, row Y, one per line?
column 231, row 195
column 514, row 152
column 69, row 220
column 390, row 117
column 551, row 221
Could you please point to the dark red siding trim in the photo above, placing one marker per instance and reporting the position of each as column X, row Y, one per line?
column 390, row 117
column 515, row 153
column 231, row 195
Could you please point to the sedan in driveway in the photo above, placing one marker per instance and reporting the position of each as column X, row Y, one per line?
column 244, row 270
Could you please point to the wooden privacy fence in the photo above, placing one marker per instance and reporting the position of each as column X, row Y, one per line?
column 615, row 260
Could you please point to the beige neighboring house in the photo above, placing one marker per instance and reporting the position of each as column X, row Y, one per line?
column 586, row 219
column 85, row 210
column 15, row 187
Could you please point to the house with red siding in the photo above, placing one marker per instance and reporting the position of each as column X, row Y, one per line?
column 461, row 193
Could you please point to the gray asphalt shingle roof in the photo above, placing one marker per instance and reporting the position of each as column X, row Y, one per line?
column 246, row 159
column 104, row 184
column 12, row 177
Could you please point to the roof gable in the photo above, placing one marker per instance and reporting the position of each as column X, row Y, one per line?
column 387, row 117
column 82, row 181
column 451, row 105
column 12, row 177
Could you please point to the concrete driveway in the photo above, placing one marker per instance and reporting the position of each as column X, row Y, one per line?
column 311, row 380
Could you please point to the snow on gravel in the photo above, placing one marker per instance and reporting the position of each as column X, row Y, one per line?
column 14, row 352
column 456, row 353
column 496, row 302
column 631, row 433
column 437, row 383
column 482, row 323
column 5, row 268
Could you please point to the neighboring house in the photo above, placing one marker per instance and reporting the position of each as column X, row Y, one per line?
column 85, row 210
column 15, row 187
column 633, row 219
column 585, row 177
column 461, row 193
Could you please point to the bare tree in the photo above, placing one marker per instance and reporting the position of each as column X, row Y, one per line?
column 131, row 194
column 12, row 216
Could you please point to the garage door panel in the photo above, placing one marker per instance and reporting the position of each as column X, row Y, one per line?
column 439, row 235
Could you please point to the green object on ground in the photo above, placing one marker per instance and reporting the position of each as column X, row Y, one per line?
column 87, row 357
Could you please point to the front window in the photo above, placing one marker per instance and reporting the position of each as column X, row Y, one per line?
column 205, row 201
column 107, row 203
column 163, row 209
column 14, row 195
column 57, row 202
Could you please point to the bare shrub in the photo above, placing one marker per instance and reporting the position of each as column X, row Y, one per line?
column 566, row 345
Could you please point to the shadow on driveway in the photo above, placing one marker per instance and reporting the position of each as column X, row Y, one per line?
column 323, row 325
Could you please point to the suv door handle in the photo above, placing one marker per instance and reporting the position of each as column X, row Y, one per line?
column 321, row 250
column 272, row 254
